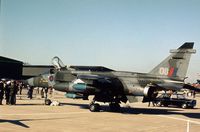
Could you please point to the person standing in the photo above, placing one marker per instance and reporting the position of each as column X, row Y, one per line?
column 30, row 92
column 1, row 92
column 152, row 98
column 16, row 89
column 42, row 93
column 13, row 92
column 7, row 91
column 46, row 92
column 20, row 86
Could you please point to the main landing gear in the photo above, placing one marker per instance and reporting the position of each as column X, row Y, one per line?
column 95, row 107
column 47, row 101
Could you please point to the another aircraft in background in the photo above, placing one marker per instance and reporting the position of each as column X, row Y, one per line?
column 117, row 86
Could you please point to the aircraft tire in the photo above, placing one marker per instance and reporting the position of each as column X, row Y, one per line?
column 47, row 102
column 95, row 107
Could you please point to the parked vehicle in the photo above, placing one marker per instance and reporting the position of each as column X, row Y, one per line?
column 178, row 100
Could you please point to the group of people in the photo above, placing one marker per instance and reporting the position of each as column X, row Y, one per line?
column 43, row 92
column 8, row 89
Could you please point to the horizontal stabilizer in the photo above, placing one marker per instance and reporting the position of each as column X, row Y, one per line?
column 186, row 86
column 192, row 51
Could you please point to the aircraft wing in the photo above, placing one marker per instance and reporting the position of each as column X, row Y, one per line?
column 91, row 77
column 106, row 87
column 99, row 78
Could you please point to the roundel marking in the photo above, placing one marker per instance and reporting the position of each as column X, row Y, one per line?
column 51, row 78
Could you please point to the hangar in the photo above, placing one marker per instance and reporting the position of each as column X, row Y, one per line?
column 10, row 68
column 14, row 69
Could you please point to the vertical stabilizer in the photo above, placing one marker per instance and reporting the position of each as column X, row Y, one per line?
column 176, row 65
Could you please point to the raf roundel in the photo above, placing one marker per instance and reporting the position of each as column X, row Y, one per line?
column 51, row 78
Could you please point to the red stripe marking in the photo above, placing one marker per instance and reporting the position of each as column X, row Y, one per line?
column 171, row 71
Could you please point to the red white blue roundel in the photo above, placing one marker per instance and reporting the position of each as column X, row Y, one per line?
column 51, row 78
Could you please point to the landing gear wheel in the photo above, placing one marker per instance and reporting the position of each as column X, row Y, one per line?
column 94, row 107
column 114, row 107
column 158, row 104
column 47, row 101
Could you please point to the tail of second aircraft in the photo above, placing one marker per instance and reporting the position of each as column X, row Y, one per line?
column 176, row 65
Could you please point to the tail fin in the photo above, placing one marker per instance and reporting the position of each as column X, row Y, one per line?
column 176, row 65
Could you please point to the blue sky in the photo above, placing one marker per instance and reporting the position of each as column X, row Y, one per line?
column 130, row 35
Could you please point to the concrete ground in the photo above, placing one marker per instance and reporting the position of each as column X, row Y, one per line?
column 74, row 116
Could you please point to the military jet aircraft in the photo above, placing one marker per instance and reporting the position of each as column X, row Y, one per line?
column 113, row 87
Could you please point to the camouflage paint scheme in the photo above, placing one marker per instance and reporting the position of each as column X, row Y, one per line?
column 118, row 86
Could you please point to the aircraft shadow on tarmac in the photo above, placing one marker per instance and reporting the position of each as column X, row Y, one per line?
column 148, row 111
column 105, row 108
column 19, row 122
column 15, row 122
column 151, row 111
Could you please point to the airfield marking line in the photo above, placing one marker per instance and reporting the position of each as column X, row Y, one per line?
column 69, row 113
column 180, row 119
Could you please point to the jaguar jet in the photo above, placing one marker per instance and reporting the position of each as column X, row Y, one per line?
column 114, row 87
